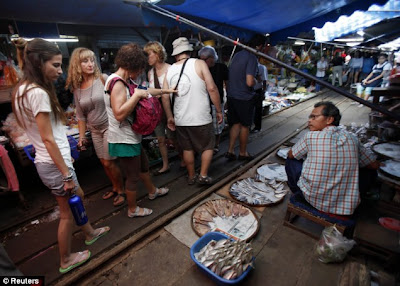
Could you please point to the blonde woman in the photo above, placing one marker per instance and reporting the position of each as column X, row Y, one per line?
column 87, row 84
column 156, row 59
column 38, row 111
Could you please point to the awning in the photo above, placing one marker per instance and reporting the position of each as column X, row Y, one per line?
column 357, row 21
column 233, row 18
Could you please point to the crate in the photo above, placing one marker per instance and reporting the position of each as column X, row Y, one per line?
column 29, row 151
column 203, row 241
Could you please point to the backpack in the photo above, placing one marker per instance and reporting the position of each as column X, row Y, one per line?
column 147, row 113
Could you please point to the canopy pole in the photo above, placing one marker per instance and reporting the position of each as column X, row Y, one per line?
column 176, row 17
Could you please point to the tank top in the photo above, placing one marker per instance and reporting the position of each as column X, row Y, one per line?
column 192, row 103
column 119, row 132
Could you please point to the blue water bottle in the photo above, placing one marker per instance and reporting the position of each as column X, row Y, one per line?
column 78, row 210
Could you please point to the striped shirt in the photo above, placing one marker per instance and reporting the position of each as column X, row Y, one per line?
column 329, row 179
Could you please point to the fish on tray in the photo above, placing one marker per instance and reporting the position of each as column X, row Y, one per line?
column 207, row 212
column 254, row 192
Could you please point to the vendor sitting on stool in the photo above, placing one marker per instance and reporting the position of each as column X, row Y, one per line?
column 330, row 177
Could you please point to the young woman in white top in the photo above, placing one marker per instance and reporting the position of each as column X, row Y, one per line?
column 87, row 84
column 38, row 111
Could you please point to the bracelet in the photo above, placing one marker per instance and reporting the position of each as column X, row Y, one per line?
column 161, row 91
column 219, row 112
column 67, row 178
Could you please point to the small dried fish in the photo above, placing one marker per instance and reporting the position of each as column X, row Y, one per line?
column 226, row 258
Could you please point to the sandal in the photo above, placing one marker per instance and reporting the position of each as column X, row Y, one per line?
column 109, row 194
column 192, row 181
column 103, row 231
column 137, row 212
column 204, row 180
column 78, row 261
column 230, row 156
column 117, row 201
column 158, row 193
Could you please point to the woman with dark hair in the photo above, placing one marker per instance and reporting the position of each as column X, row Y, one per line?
column 123, row 142
column 38, row 111
column 87, row 84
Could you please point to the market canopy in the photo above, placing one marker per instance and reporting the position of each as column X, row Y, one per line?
column 233, row 18
column 357, row 21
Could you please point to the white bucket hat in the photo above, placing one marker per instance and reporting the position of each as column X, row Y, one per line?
column 181, row 45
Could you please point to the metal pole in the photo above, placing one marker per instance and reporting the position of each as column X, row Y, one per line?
column 169, row 14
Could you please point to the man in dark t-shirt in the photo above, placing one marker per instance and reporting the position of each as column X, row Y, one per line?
column 241, row 102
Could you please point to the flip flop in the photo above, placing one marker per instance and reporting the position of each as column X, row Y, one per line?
column 109, row 195
column 77, row 262
column 103, row 231
column 158, row 173
column 116, row 203
column 137, row 213
column 158, row 193
column 390, row 223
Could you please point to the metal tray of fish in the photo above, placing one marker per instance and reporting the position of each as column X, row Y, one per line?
column 258, row 193
column 272, row 172
column 391, row 168
column 232, row 218
column 390, row 150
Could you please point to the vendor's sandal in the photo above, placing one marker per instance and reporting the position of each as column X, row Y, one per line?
column 109, row 195
column 119, row 200
column 79, row 259
column 103, row 231
column 158, row 193
column 140, row 212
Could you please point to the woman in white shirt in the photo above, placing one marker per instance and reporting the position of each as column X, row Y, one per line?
column 38, row 111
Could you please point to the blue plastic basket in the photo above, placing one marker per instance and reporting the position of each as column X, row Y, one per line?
column 30, row 150
column 203, row 241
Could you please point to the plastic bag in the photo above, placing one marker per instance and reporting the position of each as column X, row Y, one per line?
column 333, row 246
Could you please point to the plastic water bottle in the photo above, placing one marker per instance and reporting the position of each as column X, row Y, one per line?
column 78, row 210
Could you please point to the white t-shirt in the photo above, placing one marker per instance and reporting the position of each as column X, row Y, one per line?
column 192, row 103
column 37, row 100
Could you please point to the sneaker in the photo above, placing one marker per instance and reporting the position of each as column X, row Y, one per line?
column 204, row 180
column 255, row 130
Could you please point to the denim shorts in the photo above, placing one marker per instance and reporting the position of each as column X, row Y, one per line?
column 53, row 179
